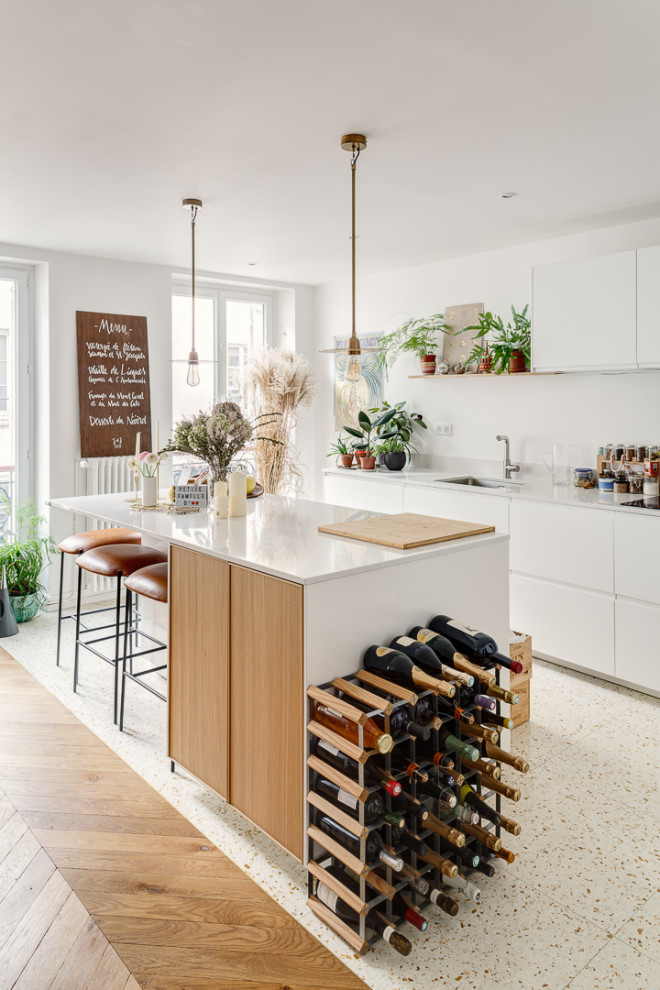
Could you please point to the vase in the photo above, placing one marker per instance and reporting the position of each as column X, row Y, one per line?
column 395, row 460
column 149, row 491
column 428, row 364
column 24, row 607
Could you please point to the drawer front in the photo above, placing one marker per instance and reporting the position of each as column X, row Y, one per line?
column 636, row 659
column 567, row 623
column 492, row 510
column 636, row 552
column 563, row 543
column 375, row 496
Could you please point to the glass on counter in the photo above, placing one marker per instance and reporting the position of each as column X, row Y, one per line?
column 629, row 453
column 583, row 478
column 651, row 486
column 620, row 482
column 618, row 452
column 636, row 484
column 640, row 452
column 608, row 451
column 652, row 452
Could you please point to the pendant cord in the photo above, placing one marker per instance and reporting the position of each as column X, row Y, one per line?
column 356, row 155
column 193, row 217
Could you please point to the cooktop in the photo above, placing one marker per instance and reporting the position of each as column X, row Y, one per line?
column 645, row 503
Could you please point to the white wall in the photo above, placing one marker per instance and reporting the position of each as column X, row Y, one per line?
column 584, row 409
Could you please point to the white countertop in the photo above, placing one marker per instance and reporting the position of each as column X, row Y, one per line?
column 278, row 536
column 533, row 489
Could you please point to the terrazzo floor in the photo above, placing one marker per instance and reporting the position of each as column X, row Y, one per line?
column 579, row 908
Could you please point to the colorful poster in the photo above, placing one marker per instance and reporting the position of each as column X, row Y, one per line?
column 359, row 381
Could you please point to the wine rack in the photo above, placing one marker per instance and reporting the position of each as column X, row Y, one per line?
column 372, row 887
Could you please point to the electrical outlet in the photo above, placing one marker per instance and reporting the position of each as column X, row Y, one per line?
column 442, row 429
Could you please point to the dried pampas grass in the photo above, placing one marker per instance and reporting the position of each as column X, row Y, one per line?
column 277, row 382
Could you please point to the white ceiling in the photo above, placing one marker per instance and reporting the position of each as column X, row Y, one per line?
column 112, row 111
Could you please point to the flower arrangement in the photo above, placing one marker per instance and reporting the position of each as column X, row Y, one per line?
column 215, row 437
column 147, row 463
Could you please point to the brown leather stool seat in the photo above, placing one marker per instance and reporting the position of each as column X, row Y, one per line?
column 80, row 543
column 119, row 558
column 149, row 581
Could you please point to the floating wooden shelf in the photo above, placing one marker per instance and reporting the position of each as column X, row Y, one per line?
column 489, row 374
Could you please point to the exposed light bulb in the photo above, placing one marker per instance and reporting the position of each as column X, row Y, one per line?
column 192, row 377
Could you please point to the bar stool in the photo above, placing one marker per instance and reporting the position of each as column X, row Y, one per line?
column 116, row 560
column 80, row 543
column 150, row 582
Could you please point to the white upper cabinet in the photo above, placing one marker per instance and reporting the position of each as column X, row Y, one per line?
column 585, row 314
column 648, row 306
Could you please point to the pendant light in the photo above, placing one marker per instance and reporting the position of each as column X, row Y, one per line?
column 355, row 143
column 194, row 205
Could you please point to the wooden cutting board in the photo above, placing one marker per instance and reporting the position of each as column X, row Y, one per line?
column 405, row 530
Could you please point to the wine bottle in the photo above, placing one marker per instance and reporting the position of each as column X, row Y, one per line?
column 446, row 867
column 449, row 708
column 472, row 697
column 373, row 735
column 446, row 831
column 470, row 889
column 466, row 814
column 480, row 732
column 485, row 768
column 423, row 711
column 326, row 751
column 472, row 800
column 398, row 667
column 425, row 658
column 501, row 694
column 486, row 868
column 373, row 919
column 417, row 882
column 400, row 721
column 431, row 791
column 508, row 824
column 478, row 643
column 403, row 905
column 443, row 901
column 374, row 806
column 506, row 855
column 374, row 847
column 443, row 648
column 517, row 762
column 501, row 721
column 512, row 793
column 402, row 766
column 404, row 837
column 447, row 741
column 412, row 806
column 486, row 838
column 467, row 857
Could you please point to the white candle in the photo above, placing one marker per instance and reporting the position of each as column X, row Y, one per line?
column 137, row 446
column 237, row 493
column 221, row 506
column 220, row 488
column 157, row 447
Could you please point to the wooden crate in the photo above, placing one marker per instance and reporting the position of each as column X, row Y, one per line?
column 520, row 712
column 520, row 683
column 523, row 653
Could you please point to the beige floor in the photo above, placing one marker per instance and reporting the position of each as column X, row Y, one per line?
column 579, row 908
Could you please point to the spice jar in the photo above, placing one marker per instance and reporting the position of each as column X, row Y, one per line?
column 606, row 482
column 620, row 482
column 636, row 483
column 618, row 452
column 640, row 452
column 629, row 453
column 583, row 478
column 651, row 486
column 652, row 452
column 608, row 451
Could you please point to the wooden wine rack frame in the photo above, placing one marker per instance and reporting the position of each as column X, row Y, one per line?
column 375, row 890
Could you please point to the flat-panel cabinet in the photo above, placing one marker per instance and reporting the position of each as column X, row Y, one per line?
column 378, row 495
column 636, row 556
column 648, row 306
column 584, row 313
column 564, row 543
column 492, row 510
column 636, row 656
column 569, row 624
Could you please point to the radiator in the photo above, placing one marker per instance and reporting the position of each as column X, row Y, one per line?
column 100, row 476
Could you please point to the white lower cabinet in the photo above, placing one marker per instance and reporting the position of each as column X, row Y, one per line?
column 568, row 623
column 356, row 493
column 492, row 510
column 636, row 552
column 636, row 656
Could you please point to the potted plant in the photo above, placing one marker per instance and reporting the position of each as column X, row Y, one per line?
column 403, row 425
column 394, row 454
column 24, row 555
column 416, row 336
column 508, row 347
column 367, row 427
column 341, row 450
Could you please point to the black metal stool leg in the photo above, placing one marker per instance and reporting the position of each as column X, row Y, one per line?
column 172, row 766
column 77, row 653
column 127, row 624
column 59, row 611
column 117, row 624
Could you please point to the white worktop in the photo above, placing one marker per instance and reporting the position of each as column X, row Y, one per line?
column 278, row 536
column 535, row 489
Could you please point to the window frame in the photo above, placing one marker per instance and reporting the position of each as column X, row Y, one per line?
column 23, row 364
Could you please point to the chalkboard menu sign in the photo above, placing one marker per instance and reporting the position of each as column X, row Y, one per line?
column 113, row 384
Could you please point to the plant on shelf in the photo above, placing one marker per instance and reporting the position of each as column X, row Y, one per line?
column 363, row 434
column 24, row 554
column 509, row 347
column 420, row 337
column 341, row 449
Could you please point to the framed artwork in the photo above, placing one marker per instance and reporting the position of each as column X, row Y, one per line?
column 359, row 381
column 456, row 349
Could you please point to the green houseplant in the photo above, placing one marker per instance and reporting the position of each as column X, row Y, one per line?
column 363, row 434
column 420, row 337
column 341, row 449
column 402, row 424
column 24, row 555
column 510, row 346
column 394, row 453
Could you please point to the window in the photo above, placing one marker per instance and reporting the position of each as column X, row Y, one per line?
column 15, row 396
column 4, row 341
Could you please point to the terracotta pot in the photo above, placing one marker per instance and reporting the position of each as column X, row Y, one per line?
column 368, row 463
column 359, row 454
column 517, row 362
column 345, row 460
column 428, row 364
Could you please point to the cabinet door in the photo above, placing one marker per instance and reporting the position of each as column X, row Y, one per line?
column 648, row 306
column 358, row 493
column 492, row 510
column 567, row 623
column 636, row 658
column 584, row 314
column 199, row 666
column 267, row 708
column 563, row 543
column 636, row 553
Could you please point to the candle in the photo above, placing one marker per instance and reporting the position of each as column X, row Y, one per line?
column 237, row 493
column 221, row 506
column 157, row 447
column 137, row 446
column 220, row 488
column 137, row 454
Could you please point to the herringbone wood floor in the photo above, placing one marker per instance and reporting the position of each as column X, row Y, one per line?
column 101, row 878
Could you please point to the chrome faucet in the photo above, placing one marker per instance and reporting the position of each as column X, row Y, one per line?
column 507, row 467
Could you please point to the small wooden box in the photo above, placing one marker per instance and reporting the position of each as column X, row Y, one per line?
column 520, row 683
column 520, row 713
column 523, row 653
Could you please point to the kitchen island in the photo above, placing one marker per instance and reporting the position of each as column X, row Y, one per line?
column 262, row 606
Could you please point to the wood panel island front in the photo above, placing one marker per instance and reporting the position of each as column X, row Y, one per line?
column 262, row 606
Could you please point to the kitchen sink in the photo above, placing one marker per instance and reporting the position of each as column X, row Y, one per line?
column 470, row 481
